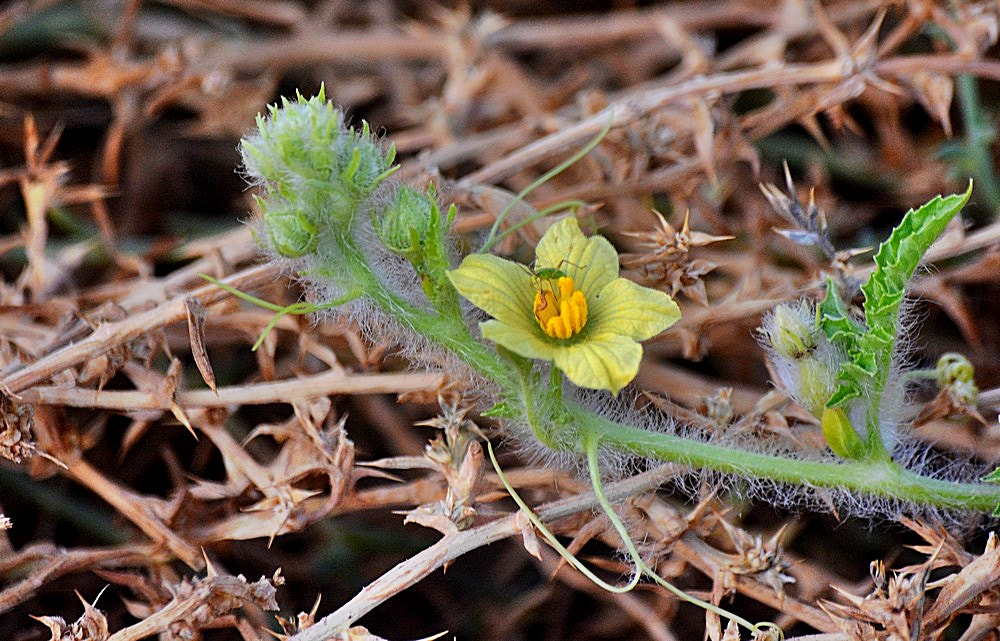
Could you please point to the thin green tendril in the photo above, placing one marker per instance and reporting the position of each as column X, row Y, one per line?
column 492, row 239
column 551, row 538
column 641, row 567
column 591, row 447
column 295, row 309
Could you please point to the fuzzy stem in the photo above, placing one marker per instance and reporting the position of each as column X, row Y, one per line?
column 449, row 332
column 555, row 382
column 541, row 426
column 882, row 478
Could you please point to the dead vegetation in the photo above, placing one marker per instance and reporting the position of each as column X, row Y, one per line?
column 152, row 461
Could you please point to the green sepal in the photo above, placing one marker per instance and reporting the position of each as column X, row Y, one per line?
column 290, row 231
column 841, row 436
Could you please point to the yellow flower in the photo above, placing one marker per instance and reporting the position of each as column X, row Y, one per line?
column 574, row 310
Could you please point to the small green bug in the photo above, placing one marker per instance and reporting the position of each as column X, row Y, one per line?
column 549, row 274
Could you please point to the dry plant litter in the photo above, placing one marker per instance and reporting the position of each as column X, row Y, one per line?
column 155, row 466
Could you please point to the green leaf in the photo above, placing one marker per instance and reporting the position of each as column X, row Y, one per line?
column 895, row 262
column 845, row 332
column 503, row 409
column 870, row 347
column 836, row 321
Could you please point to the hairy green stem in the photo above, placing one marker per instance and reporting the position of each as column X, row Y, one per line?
column 882, row 478
column 547, row 414
column 449, row 332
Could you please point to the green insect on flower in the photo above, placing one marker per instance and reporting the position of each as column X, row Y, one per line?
column 582, row 317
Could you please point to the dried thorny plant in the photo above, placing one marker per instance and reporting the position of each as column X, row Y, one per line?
column 153, row 460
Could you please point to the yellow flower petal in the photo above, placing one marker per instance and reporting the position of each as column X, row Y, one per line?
column 527, row 342
column 625, row 308
column 607, row 361
column 501, row 288
column 591, row 262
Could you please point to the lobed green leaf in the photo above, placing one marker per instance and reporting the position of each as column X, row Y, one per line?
column 870, row 346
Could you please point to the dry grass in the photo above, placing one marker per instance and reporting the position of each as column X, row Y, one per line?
column 151, row 452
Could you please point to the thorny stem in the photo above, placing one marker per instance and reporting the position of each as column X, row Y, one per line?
column 628, row 110
column 13, row 380
column 451, row 547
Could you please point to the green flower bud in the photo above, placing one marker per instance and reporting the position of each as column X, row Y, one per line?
column 955, row 373
column 407, row 223
column 791, row 330
column 841, row 436
column 805, row 362
column 413, row 226
column 289, row 231
column 816, row 382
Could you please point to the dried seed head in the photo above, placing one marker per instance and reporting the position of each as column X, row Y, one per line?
column 666, row 263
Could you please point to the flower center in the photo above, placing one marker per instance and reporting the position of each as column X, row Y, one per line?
column 561, row 311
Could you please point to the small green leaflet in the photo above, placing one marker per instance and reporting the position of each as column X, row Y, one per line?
column 870, row 346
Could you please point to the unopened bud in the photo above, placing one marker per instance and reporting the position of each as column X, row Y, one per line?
column 290, row 232
column 956, row 374
column 406, row 223
column 791, row 330
column 816, row 383
column 314, row 171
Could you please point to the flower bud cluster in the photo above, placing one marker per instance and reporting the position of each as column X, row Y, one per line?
column 314, row 171
column 806, row 364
